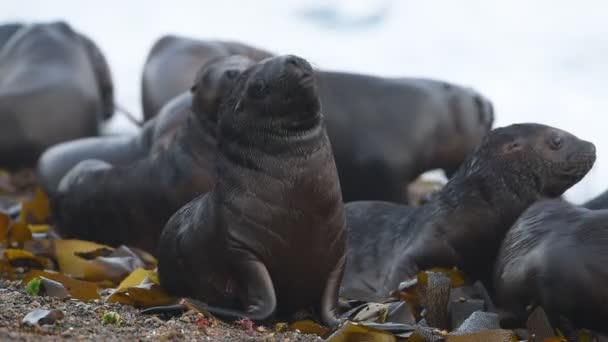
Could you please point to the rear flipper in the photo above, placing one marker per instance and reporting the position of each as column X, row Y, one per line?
column 259, row 297
column 329, row 302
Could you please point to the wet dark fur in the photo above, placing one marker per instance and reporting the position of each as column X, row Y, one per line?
column 270, row 238
column 555, row 256
column 463, row 224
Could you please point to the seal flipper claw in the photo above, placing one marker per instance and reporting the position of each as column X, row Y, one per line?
column 330, row 302
column 258, row 295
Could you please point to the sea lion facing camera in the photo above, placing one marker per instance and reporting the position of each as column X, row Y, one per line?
column 173, row 61
column 155, row 135
column 555, row 256
column 270, row 236
column 130, row 204
column 463, row 224
column 55, row 86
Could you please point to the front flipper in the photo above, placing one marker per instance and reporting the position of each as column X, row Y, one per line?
column 329, row 302
column 259, row 298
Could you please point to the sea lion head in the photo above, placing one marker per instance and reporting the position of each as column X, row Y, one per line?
column 545, row 159
column 276, row 96
column 214, row 81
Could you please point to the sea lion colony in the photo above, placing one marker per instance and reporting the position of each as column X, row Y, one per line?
column 249, row 162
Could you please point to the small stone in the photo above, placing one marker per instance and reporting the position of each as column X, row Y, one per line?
column 185, row 319
column 35, row 304
column 42, row 317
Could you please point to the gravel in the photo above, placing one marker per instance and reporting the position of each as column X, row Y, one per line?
column 83, row 322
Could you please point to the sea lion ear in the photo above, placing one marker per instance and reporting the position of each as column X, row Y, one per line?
column 193, row 88
column 513, row 146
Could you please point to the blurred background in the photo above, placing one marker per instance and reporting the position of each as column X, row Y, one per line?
column 544, row 61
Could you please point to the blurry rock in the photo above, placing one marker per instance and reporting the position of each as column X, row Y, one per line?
column 462, row 308
column 478, row 321
column 42, row 317
column 497, row 335
column 53, row 288
column 539, row 326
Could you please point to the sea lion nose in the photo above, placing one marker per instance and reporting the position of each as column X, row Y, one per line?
column 297, row 63
column 591, row 148
column 293, row 61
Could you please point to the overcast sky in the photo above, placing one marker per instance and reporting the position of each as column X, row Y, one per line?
column 542, row 60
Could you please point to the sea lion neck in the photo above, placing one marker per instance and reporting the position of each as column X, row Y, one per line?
column 270, row 137
column 483, row 203
column 198, row 136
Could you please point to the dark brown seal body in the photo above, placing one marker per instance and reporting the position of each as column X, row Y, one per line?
column 384, row 131
column 173, row 61
column 55, row 86
column 130, row 204
column 555, row 256
column 157, row 134
column 270, row 237
column 463, row 224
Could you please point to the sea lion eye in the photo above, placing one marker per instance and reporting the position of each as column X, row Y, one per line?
column 555, row 143
column 231, row 74
column 256, row 90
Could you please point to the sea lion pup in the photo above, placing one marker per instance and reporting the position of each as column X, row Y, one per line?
column 55, row 86
column 555, row 256
column 156, row 134
column 463, row 224
column 130, row 204
column 270, row 237
column 172, row 62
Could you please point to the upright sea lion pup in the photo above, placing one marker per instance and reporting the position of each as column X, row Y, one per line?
column 130, row 204
column 270, row 237
column 55, row 86
column 173, row 61
column 156, row 134
column 464, row 223
column 555, row 256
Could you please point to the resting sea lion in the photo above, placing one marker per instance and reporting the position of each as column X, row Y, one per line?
column 270, row 236
column 55, row 86
column 384, row 131
column 172, row 62
column 555, row 256
column 130, row 204
column 156, row 134
column 463, row 224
